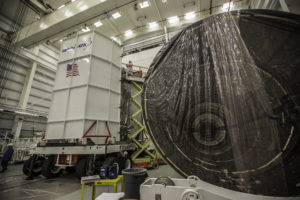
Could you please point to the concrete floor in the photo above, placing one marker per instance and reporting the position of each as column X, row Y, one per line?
column 13, row 185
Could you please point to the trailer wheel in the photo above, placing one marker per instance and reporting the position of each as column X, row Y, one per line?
column 49, row 170
column 85, row 167
column 125, row 163
column 37, row 166
column 80, row 168
column 26, row 166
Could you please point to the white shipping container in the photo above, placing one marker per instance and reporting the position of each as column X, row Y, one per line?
column 87, row 89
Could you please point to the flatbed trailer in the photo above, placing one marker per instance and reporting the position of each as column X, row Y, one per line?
column 83, row 129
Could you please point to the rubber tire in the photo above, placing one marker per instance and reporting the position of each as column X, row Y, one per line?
column 47, row 167
column 70, row 170
column 122, row 162
column 155, row 166
column 80, row 168
column 26, row 166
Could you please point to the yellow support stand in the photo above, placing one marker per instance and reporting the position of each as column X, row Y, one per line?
column 140, row 147
column 113, row 182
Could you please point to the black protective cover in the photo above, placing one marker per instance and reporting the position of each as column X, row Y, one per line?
column 221, row 101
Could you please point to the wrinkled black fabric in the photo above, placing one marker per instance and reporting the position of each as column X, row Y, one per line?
column 221, row 101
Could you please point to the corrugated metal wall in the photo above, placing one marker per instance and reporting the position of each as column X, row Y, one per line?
column 40, row 93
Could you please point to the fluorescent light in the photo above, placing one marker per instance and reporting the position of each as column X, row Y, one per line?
column 68, row 13
column 116, row 15
column 61, row 40
column 173, row 19
column 128, row 32
column 190, row 15
column 144, row 4
column 61, row 6
column 98, row 23
column 153, row 24
column 84, row 7
column 43, row 26
column 86, row 29
column 226, row 5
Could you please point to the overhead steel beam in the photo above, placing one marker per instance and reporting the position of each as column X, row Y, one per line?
column 61, row 21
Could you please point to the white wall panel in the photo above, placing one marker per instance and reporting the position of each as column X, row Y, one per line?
column 40, row 101
column 42, row 86
column 143, row 58
column 45, row 72
column 50, row 51
column 47, row 57
column 13, row 85
column 39, row 108
column 11, row 94
column 10, row 102
column 41, row 93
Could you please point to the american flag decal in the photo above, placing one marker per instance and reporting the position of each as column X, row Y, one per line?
column 72, row 70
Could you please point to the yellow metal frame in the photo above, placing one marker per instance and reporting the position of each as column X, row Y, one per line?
column 140, row 147
column 113, row 182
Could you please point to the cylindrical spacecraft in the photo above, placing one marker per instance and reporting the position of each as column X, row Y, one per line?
column 221, row 101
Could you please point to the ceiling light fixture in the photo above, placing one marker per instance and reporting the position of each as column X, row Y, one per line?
column 153, row 24
column 128, row 32
column 190, row 15
column 113, row 38
column 86, row 29
column 98, row 23
column 227, row 5
column 173, row 19
column 43, row 26
column 116, row 15
column 61, row 7
column 144, row 4
column 68, row 13
column 61, row 40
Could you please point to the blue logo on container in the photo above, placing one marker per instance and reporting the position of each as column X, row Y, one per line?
column 84, row 44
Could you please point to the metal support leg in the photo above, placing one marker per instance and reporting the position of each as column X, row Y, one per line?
column 82, row 192
column 33, row 159
column 122, row 184
column 115, row 187
column 94, row 192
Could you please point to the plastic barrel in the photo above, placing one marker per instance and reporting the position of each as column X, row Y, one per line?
column 133, row 178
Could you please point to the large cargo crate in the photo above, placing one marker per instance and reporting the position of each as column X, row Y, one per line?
column 86, row 95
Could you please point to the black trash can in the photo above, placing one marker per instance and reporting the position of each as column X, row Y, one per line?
column 133, row 178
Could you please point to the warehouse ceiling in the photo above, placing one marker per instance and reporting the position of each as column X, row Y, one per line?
column 138, row 20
